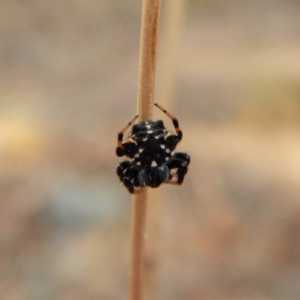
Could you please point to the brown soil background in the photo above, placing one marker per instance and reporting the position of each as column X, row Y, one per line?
column 68, row 84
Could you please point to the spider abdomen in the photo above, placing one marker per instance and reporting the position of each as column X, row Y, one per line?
column 153, row 176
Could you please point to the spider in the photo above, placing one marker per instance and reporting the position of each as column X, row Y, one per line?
column 151, row 162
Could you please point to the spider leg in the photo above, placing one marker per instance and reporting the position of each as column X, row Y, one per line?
column 127, row 174
column 120, row 149
column 181, row 155
column 121, row 168
column 129, row 185
column 179, row 161
column 174, row 120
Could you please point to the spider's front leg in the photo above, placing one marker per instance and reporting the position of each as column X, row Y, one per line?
column 179, row 161
column 171, row 139
column 174, row 120
column 121, row 150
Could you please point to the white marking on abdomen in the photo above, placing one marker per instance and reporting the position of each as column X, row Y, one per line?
column 153, row 164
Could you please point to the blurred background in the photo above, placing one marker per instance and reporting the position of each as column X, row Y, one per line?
column 68, row 84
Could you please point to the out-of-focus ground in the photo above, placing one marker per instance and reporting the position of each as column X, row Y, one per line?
column 68, row 84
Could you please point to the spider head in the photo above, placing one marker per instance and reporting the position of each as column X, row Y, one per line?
column 148, row 130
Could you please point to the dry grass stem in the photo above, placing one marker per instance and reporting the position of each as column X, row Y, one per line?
column 138, row 222
column 147, row 63
column 170, row 30
column 148, row 46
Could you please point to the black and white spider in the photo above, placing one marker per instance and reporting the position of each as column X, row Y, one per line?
column 150, row 147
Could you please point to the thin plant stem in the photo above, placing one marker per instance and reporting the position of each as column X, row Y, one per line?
column 138, row 222
column 147, row 63
column 170, row 30
column 146, row 80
